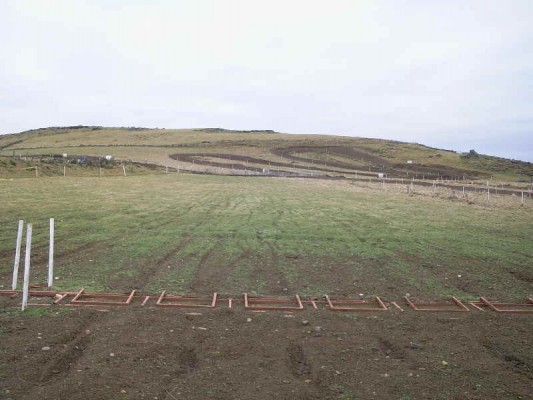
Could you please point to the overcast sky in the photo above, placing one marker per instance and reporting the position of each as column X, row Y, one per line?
column 455, row 74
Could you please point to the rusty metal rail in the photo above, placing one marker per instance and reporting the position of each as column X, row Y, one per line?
column 263, row 304
column 455, row 306
column 511, row 308
column 80, row 295
column 165, row 300
column 356, row 305
column 271, row 303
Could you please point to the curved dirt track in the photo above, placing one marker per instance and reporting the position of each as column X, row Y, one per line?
column 328, row 164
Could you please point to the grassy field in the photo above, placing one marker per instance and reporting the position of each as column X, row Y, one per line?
column 199, row 234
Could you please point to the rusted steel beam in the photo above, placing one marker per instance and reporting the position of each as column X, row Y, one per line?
column 262, row 303
column 35, row 293
column 60, row 297
column 397, row 306
column 145, row 300
column 77, row 300
column 356, row 305
column 186, row 301
column 9, row 293
column 437, row 307
column 477, row 305
column 313, row 303
column 516, row 308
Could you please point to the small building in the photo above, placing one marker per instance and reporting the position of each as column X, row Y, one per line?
column 108, row 158
column 65, row 155
column 409, row 161
column 381, row 175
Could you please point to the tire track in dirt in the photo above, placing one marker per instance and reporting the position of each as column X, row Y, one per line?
column 74, row 345
column 299, row 364
column 513, row 359
column 186, row 364
column 272, row 271
column 150, row 272
column 187, row 360
column 301, row 367
column 207, row 276
column 212, row 272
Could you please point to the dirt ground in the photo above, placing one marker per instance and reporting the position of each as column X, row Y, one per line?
column 156, row 353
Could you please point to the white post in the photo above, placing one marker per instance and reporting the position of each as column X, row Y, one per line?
column 463, row 191
column 17, row 252
column 51, row 255
column 26, row 284
column 36, row 173
column 64, row 170
column 124, row 169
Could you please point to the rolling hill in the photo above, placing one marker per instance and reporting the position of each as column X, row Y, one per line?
column 215, row 150
column 226, row 228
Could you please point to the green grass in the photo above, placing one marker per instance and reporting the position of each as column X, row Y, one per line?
column 32, row 312
column 194, row 234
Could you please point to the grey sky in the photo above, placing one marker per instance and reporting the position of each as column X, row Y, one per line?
column 450, row 74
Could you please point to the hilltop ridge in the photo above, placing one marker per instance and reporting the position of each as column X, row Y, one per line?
column 257, row 150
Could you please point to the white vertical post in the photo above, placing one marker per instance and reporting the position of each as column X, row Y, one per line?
column 26, row 284
column 124, row 169
column 17, row 252
column 51, row 255
column 36, row 172
column 64, row 170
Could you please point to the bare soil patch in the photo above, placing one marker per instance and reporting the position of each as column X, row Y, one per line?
column 138, row 353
